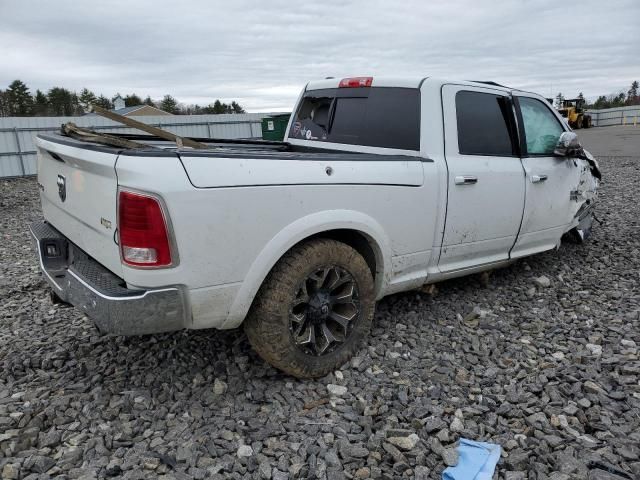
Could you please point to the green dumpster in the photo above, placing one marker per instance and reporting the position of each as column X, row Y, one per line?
column 275, row 126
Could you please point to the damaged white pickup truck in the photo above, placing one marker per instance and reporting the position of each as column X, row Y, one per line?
column 381, row 185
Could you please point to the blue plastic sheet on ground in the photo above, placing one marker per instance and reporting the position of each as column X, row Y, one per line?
column 476, row 461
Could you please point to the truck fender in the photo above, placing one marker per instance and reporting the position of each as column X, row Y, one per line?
column 298, row 231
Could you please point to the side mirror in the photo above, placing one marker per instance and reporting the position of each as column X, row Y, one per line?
column 568, row 145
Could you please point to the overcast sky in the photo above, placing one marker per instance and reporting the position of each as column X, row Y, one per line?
column 262, row 53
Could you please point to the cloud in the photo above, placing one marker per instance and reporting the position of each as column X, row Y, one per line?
column 262, row 53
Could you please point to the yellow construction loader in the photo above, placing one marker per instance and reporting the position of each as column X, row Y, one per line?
column 573, row 110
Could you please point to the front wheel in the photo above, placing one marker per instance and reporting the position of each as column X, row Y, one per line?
column 314, row 309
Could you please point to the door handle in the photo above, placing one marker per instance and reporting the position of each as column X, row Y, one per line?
column 465, row 180
column 538, row 178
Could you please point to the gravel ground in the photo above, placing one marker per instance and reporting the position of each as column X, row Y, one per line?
column 542, row 359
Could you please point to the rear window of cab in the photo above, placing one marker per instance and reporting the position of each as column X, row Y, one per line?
column 387, row 117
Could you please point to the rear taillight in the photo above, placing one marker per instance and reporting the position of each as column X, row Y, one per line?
column 355, row 82
column 144, row 239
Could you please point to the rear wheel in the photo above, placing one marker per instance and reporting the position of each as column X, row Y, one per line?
column 314, row 309
column 586, row 123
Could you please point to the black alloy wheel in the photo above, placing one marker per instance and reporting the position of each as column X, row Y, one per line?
column 324, row 311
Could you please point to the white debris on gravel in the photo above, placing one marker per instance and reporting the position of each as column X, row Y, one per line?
column 594, row 349
column 219, row 387
column 337, row 390
column 542, row 281
column 245, row 451
column 405, row 443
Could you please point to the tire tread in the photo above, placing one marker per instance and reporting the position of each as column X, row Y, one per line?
column 266, row 328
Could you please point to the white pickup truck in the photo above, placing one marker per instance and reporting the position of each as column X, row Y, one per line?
column 381, row 185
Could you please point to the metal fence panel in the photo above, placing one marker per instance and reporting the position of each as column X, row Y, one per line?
column 12, row 166
column 615, row 116
column 17, row 134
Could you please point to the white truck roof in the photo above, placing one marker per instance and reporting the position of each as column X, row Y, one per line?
column 402, row 82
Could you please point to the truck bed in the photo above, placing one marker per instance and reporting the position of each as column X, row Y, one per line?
column 91, row 175
column 225, row 149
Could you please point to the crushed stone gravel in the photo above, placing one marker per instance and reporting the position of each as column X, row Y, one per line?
column 541, row 358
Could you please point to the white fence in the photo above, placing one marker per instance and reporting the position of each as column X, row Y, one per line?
column 17, row 134
column 615, row 116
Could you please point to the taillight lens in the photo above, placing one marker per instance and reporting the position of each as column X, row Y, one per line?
column 355, row 82
column 144, row 240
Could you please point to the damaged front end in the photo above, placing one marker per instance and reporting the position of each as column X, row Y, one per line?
column 583, row 197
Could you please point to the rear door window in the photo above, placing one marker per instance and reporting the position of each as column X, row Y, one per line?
column 485, row 124
column 374, row 117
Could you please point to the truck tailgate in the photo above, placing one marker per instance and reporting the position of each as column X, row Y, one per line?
column 78, row 191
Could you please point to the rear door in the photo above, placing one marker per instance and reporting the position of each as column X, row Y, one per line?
column 485, row 177
column 549, row 179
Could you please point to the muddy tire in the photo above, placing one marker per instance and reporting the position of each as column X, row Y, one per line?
column 313, row 310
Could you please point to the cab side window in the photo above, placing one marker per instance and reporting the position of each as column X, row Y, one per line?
column 541, row 128
column 484, row 124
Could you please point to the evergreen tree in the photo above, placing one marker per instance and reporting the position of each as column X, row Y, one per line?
column 169, row 104
column 208, row 109
column 4, row 104
column 601, row 102
column 87, row 98
column 75, row 102
column 219, row 107
column 236, row 108
column 104, row 102
column 632, row 94
column 40, row 104
column 16, row 101
column 618, row 100
column 559, row 100
column 19, row 99
column 132, row 100
column 62, row 101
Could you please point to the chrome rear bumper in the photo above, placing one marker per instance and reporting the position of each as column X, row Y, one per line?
column 104, row 297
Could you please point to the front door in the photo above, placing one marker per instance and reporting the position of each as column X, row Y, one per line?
column 549, row 179
column 485, row 177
